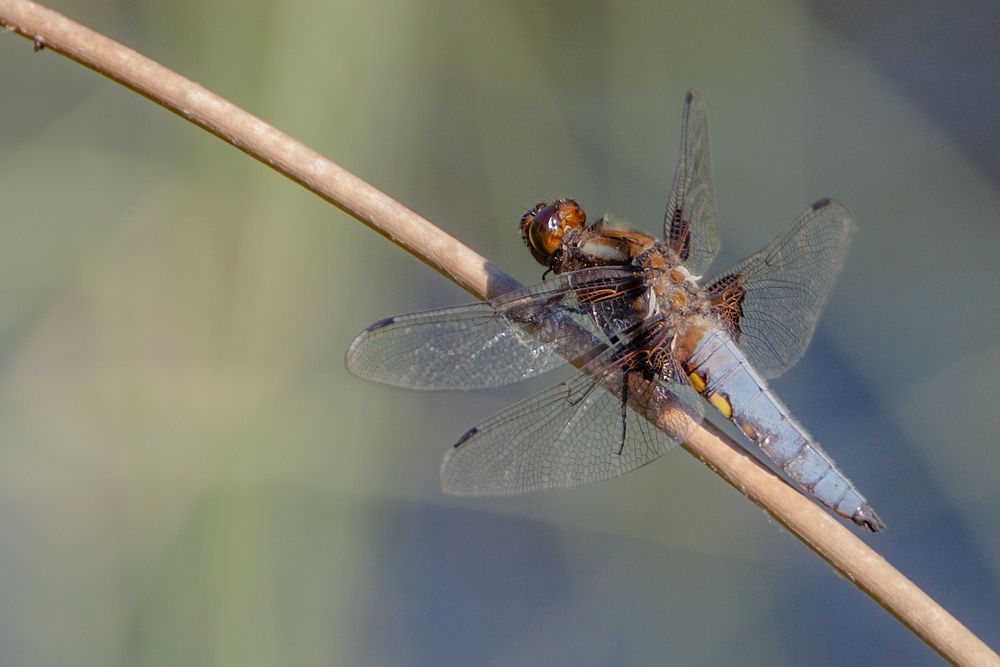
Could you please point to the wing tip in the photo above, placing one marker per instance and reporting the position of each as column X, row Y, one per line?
column 839, row 209
column 452, row 483
column 830, row 203
column 468, row 435
column 693, row 104
column 375, row 326
column 351, row 356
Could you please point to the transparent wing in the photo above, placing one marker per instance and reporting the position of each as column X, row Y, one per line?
column 773, row 298
column 518, row 335
column 689, row 224
column 571, row 434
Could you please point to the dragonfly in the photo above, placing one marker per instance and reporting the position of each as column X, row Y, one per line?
column 654, row 342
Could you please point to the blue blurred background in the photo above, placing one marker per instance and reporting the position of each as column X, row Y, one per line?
column 188, row 475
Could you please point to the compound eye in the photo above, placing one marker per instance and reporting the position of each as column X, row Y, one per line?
column 546, row 230
column 543, row 226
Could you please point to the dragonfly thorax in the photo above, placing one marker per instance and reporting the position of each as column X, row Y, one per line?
column 677, row 293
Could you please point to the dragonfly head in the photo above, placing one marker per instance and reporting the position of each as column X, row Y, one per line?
column 543, row 226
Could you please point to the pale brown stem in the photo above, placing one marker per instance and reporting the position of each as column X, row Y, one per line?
column 826, row 536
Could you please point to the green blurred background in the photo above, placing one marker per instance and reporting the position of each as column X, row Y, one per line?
column 188, row 475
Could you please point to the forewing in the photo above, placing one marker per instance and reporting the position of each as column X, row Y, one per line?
column 518, row 335
column 772, row 299
column 689, row 224
column 571, row 434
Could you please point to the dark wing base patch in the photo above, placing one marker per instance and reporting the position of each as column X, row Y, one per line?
column 727, row 302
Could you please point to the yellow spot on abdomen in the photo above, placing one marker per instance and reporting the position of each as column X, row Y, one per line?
column 722, row 404
column 698, row 382
column 749, row 430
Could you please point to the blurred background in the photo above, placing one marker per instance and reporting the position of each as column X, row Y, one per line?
column 188, row 475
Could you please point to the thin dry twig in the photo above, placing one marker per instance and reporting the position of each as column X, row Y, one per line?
column 827, row 537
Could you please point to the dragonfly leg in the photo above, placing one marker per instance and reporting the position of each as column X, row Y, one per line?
column 624, row 412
